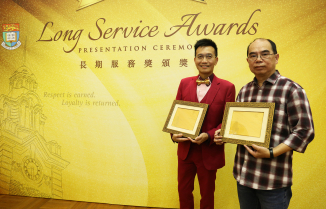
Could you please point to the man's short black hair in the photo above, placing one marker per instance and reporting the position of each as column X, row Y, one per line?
column 270, row 41
column 205, row 42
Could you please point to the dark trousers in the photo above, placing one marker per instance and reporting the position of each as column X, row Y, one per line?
column 264, row 199
column 187, row 170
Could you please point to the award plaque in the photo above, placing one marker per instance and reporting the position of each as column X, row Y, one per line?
column 186, row 118
column 248, row 123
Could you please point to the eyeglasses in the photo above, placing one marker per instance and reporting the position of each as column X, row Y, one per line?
column 208, row 56
column 254, row 57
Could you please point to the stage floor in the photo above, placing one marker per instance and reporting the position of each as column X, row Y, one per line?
column 20, row 202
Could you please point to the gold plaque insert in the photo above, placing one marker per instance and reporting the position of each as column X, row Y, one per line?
column 246, row 123
column 185, row 118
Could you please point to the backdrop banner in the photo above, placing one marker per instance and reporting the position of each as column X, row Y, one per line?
column 86, row 87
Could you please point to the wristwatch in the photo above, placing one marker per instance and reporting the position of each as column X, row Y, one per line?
column 271, row 152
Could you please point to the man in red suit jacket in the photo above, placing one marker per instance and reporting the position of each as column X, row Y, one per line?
column 202, row 156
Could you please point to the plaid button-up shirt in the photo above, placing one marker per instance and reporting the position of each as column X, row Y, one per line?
column 292, row 125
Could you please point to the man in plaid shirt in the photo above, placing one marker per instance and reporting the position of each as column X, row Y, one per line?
column 264, row 176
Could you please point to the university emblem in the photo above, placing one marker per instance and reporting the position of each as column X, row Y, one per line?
column 10, row 34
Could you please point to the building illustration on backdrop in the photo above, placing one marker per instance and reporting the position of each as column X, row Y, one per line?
column 29, row 164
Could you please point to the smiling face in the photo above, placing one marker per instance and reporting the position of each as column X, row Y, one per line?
column 262, row 68
column 205, row 60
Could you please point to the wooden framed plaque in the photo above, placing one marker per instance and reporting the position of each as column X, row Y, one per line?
column 186, row 118
column 248, row 123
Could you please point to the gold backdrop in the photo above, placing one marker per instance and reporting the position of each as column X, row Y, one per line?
column 84, row 98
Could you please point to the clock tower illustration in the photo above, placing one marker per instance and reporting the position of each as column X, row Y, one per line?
column 30, row 165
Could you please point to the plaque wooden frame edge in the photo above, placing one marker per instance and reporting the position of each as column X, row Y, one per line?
column 191, row 104
column 268, row 132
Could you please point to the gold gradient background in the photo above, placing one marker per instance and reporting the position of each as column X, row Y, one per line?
column 119, row 155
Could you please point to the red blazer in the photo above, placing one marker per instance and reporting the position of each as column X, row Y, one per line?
column 221, row 91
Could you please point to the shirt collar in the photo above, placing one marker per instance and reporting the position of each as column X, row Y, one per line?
column 272, row 79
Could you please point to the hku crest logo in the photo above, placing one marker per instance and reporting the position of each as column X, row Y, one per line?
column 10, row 34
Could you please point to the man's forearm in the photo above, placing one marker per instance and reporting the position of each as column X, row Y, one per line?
column 281, row 149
